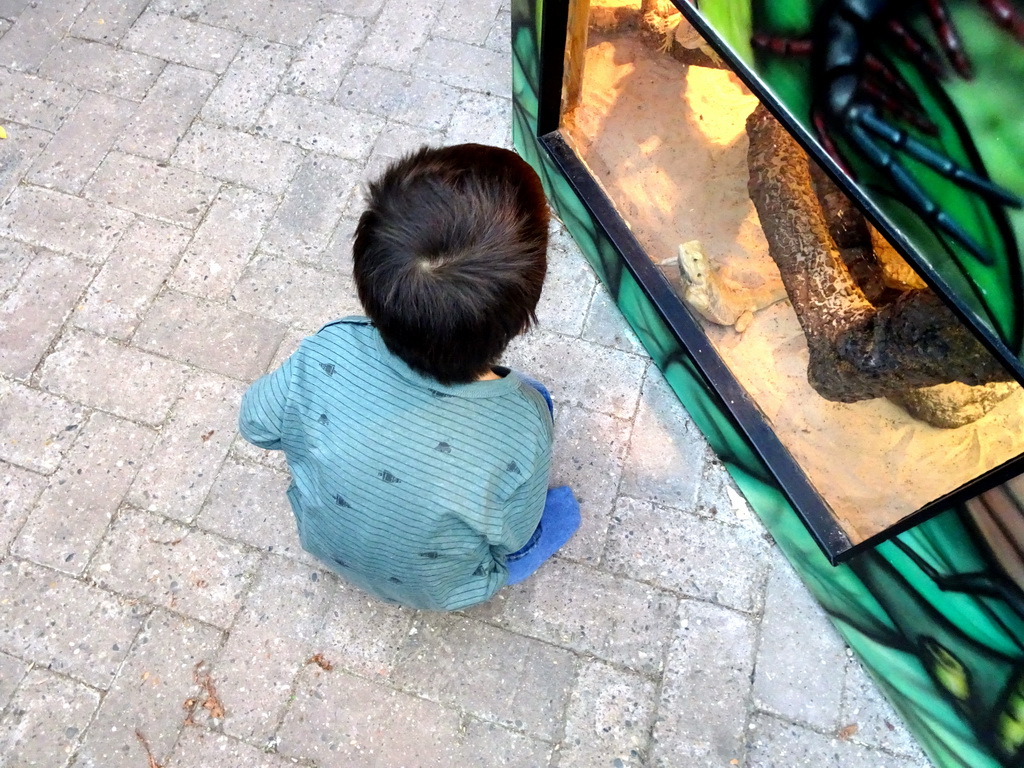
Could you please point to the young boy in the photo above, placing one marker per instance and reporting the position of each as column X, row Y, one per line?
column 420, row 467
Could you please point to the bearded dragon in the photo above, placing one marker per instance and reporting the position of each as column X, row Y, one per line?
column 717, row 298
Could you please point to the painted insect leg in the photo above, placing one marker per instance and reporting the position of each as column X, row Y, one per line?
column 875, row 89
column 782, row 46
column 945, row 30
column 911, row 191
column 822, row 130
column 917, row 47
column 1001, row 12
column 936, row 160
column 1005, row 16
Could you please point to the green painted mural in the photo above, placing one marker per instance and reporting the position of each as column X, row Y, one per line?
column 937, row 614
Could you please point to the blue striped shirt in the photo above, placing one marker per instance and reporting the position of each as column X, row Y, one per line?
column 409, row 489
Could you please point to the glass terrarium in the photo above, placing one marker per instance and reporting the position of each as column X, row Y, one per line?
column 805, row 335
column 872, row 389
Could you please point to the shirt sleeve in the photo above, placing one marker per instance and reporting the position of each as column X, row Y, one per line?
column 525, row 507
column 261, row 417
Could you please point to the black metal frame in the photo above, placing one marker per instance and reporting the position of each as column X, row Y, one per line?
column 794, row 483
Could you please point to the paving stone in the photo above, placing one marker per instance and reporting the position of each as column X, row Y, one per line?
column 32, row 314
column 246, row 451
column 107, row 21
column 355, row 8
column 588, row 454
column 168, row 564
column 271, row 640
column 167, row 111
column 199, row 748
column 19, row 490
column 17, row 153
column 80, row 145
column 101, row 68
column 10, row 9
column 466, row 66
column 292, row 293
column 177, row 475
column 362, row 634
column 341, row 721
column 85, row 632
column 182, row 41
column 666, row 452
column 12, row 672
column 567, row 289
column 705, row 696
column 208, row 335
column 159, row 674
column 247, row 502
column 131, row 277
column 34, row 101
column 396, row 141
column 289, row 345
column 74, row 511
column 321, row 127
column 325, row 57
column 800, row 657
column 559, row 238
column 609, row 719
column 486, row 745
column 778, row 744
column 700, row 558
column 500, row 36
column 36, row 428
column 496, row 675
column 482, row 119
column 185, row 9
column 309, row 213
column 102, row 374
column 400, row 96
column 46, row 717
column 152, row 188
column 718, row 498
column 605, row 325
column 580, row 373
column 399, row 32
column 252, row 161
column 224, row 242
column 62, row 222
column 248, row 84
column 279, row 21
column 337, row 256
column 466, row 22
column 40, row 26
column 878, row 724
column 578, row 607
column 14, row 260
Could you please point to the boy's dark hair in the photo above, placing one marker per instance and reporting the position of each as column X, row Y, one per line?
column 450, row 257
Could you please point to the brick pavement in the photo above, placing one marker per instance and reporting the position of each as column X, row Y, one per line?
column 176, row 196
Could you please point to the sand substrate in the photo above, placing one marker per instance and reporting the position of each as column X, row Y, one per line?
column 667, row 142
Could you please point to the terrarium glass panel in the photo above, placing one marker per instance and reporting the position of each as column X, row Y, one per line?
column 847, row 353
column 917, row 107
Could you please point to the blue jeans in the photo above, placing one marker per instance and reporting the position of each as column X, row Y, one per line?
column 558, row 522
